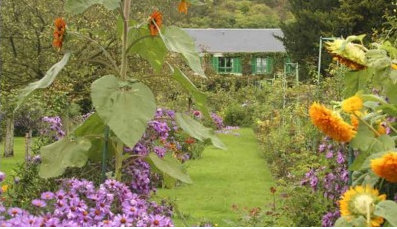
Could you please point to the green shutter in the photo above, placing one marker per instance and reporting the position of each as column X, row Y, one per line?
column 269, row 64
column 236, row 65
column 253, row 65
column 215, row 63
column 289, row 67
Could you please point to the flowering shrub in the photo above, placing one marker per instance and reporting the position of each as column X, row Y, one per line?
column 369, row 128
column 78, row 204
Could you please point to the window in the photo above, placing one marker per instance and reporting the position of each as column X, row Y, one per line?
column 261, row 65
column 225, row 65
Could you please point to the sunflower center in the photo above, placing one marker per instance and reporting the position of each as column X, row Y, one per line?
column 364, row 202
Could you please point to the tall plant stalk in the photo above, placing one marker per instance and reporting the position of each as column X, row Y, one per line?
column 123, row 74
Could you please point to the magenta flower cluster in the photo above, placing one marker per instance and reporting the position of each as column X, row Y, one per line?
column 55, row 127
column 79, row 204
column 331, row 182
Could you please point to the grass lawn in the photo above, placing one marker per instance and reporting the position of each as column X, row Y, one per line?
column 7, row 164
column 238, row 176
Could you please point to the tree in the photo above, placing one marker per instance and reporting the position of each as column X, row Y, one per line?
column 312, row 20
column 329, row 18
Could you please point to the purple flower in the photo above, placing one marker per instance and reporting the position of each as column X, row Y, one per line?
column 160, row 151
column 321, row 148
column 121, row 221
column 39, row 203
column 2, row 176
column 330, row 154
column 340, row 158
column 14, row 211
column 47, row 196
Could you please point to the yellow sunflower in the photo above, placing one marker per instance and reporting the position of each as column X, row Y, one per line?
column 352, row 104
column 361, row 201
column 347, row 53
column 183, row 5
column 386, row 166
column 331, row 124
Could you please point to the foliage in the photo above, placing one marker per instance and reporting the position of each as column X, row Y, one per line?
column 374, row 114
column 328, row 19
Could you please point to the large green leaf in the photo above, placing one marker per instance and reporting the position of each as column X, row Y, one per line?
column 199, row 97
column 170, row 166
column 45, row 81
column 355, row 81
column 79, row 6
column 179, row 41
column 391, row 92
column 364, row 138
column 125, row 110
column 150, row 48
column 198, row 131
column 388, row 210
column 353, row 222
column 93, row 128
column 62, row 154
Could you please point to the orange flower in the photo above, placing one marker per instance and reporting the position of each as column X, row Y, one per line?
column 352, row 104
column 331, row 124
column 183, row 5
column 59, row 33
column 381, row 129
column 155, row 19
column 386, row 166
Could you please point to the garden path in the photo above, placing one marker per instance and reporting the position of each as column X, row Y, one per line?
column 223, row 179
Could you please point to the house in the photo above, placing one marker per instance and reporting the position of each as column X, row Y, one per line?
column 241, row 51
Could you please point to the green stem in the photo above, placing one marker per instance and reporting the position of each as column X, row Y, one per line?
column 126, row 16
column 368, row 215
column 369, row 126
column 104, row 153
column 391, row 127
column 119, row 160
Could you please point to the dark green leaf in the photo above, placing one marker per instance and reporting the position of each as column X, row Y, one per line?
column 388, row 210
column 199, row 97
column 93, row 125
column 45, row 81
column 354, row 222
column 79, row 6
column 62, row 154
column 197, row 130
column 179, row 41
column 170, row 166
column 126, row 112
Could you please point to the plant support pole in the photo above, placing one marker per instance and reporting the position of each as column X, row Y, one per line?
column 104, row 153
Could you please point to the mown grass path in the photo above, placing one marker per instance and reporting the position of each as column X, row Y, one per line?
column 238, row 176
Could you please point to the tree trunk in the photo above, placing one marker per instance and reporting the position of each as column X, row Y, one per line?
column 28, row 145
column 9, row 138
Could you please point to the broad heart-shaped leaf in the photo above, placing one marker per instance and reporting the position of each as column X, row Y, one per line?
column 170, row 166
column 125, row 110
column 150, row 48
column 179, row 41
column 79, row 6
column 388, row 210
column 62, row 154
column 198, row 131
column 354, row 222
column 355, row 81
column 45, row 81
column 94, row 128
column 199, row 97
column 363, row 139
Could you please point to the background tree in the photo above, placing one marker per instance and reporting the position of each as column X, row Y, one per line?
column 329, row 18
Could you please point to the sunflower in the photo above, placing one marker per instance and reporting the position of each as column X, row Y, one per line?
column 155, row 19
column 59, row 33
column 347, row 53
column 183, row 5
column 386, row 166
column 352, row 104
column 330, row 123
column 361, row 201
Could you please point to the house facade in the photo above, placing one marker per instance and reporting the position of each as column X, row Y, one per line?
column 241, row 51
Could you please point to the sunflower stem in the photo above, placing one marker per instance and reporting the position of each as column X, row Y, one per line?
column 126, row 16
column 368, row 215
column 369, row 126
